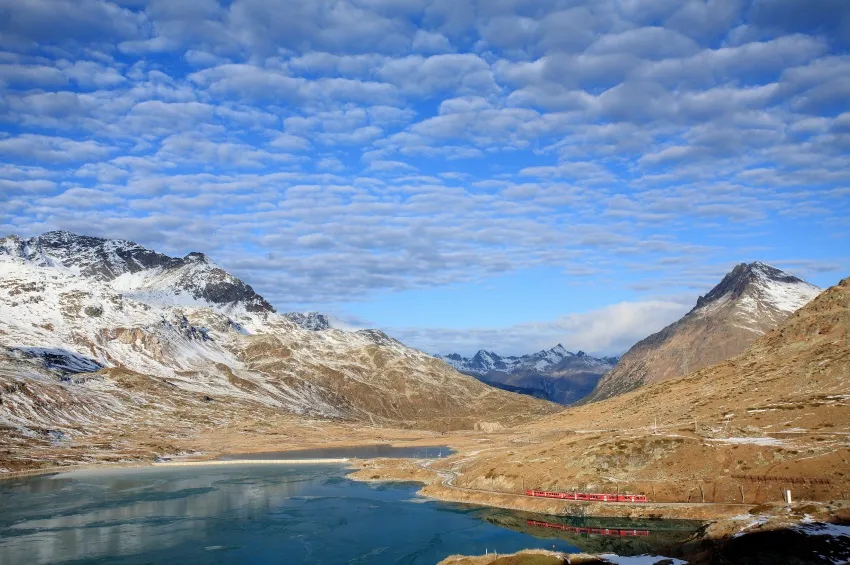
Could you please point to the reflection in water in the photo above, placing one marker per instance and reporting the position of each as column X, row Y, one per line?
column 100, row 513
column 595, row 531
column 601, row 535
column 252, row 514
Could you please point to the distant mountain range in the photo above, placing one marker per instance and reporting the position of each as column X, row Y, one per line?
column 552, row 374
column 750, row 301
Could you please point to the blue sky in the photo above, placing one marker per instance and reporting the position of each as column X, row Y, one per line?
column 502, row 174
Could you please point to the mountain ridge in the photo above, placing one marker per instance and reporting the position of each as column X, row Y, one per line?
column 553, row 374
column 93, row 341
column 133, row 269
column 749, row 301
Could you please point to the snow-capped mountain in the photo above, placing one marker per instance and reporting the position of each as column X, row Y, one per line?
column 751, row 300
column 136, row 272
column 93, row 330
column 309, row 320
column 554, row 374
column 485, row 361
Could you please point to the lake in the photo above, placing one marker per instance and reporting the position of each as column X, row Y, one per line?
column 271, row 514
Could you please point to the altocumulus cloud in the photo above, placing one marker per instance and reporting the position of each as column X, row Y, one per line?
column 330, row 151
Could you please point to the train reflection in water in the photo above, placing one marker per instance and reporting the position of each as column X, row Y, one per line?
column 580, row 530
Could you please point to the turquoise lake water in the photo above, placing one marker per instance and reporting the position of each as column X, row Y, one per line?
column 268, row 514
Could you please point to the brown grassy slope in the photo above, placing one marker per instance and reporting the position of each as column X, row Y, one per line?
column 779, row 410
column 384, row 386
column 118, row 415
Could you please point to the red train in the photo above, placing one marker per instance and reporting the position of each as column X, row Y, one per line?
column 594, row 497
column 596, row 531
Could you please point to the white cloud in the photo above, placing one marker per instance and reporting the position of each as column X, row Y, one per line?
column 610, row 330
column 51, row 150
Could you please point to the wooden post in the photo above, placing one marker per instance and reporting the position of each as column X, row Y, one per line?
column 653, row 492
column 742, row 493
column 702, row 493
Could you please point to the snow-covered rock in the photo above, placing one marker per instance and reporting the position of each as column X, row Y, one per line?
column 309, row 320
column 137, row 272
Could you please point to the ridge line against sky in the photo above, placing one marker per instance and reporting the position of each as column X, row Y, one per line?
column 503, row 175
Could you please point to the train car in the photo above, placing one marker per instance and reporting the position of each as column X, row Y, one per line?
column 587, row 496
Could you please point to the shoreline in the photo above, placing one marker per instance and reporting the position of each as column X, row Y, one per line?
column 437, row 485
column 210, row 457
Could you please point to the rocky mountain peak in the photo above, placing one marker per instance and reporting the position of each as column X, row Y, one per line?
column 752, row 299
column 196, row 257
column 136, row 271
column 744, row 276
column 309, row 320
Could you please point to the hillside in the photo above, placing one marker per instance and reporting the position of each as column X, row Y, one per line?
column 750, row 301
column 101, row 338
column 777, row 416
column 554, row 374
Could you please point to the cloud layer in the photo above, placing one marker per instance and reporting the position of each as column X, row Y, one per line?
column 328, row 151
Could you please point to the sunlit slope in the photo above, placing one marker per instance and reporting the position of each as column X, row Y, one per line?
column 779, row 410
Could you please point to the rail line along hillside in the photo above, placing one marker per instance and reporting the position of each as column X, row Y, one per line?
column 594, row 497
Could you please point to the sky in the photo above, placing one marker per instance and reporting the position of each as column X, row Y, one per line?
column 496, row 174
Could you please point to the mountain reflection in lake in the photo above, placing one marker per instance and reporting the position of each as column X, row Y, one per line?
column 244, row 514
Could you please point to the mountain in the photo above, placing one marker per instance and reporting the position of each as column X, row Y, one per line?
column 136, row 272
column 776, row 416
column 751, row 300
column 309, row 320
column 100, row 337
column 553, row 374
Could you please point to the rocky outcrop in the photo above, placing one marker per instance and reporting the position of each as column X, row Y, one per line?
column 309, row 320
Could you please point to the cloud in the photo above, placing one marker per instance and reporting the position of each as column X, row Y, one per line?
column 610, row 330
column 334, row 151
column 26, row 24
column 47, row 149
